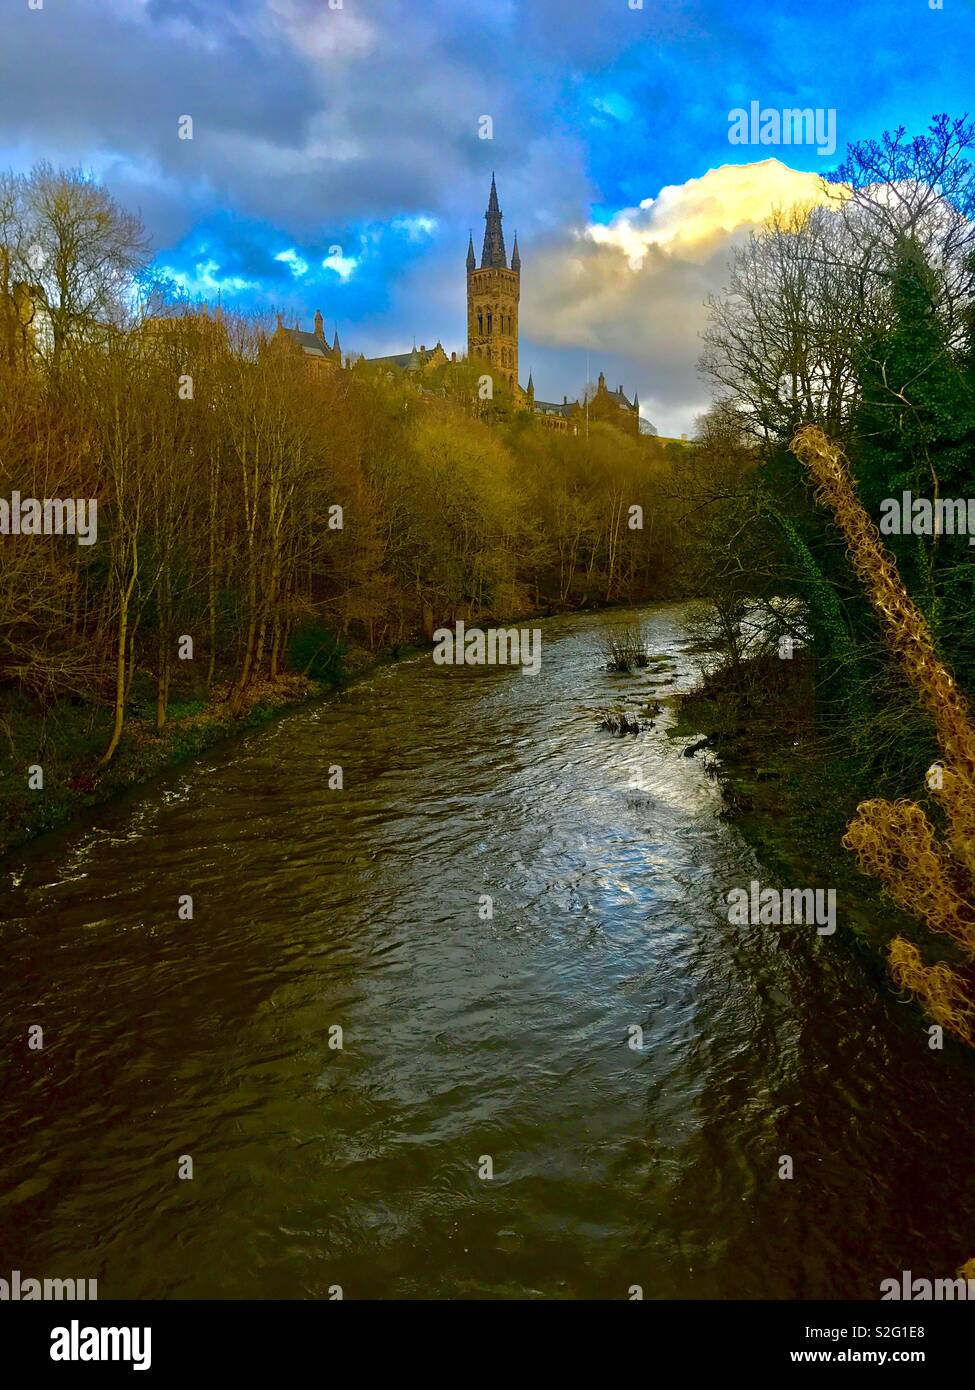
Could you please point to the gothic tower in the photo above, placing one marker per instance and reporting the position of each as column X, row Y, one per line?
column 493, row 291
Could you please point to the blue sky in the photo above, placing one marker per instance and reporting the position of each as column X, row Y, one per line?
column 336, row 161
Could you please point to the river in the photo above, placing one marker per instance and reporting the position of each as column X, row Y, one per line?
column 465, row 1037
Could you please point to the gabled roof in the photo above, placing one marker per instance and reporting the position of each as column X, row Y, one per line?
column 550, row 407
column 308, row 342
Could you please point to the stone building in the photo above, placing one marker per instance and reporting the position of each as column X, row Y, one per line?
column 314, row 346
column 493, row 298
column 418, row 362
column 613, row 407
column 493, row 295
column 493, row 292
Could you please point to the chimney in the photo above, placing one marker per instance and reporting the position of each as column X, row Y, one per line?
column 453, row 357
column 280, row 320
column 319, row 324
column 423, row 347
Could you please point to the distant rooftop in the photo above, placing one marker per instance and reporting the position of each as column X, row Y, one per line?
column 308, row 342
column 406, row 361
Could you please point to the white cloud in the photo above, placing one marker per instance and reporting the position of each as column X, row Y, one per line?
column 328, row 36
column 342, row 265
column 636, row 287
column 205, row 279
column 687, row 218
column 297, row 266
column 415, row 228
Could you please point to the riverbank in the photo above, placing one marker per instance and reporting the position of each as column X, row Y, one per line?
column 66, row 740
column 791, row 795
column 53, row 777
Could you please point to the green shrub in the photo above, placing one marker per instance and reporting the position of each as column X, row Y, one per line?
column 315, row 652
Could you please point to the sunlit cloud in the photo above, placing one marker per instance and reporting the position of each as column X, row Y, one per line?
column 685, row 219
column 635, row 286
column 295, row 263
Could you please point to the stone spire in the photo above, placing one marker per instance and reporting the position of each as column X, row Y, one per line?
column 319, row 324
column 336, row 347
column 493, row 253
column 471, row 258
column 515, row 257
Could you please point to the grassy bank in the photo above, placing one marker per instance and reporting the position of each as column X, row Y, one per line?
column 791, row 792
column 66, row 740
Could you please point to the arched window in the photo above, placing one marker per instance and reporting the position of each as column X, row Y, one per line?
column 480, row 322
column 489, row 320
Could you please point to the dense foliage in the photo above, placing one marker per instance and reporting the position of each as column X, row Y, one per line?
column 270, row 512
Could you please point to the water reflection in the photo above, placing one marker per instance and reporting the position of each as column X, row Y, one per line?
column 464, row 1036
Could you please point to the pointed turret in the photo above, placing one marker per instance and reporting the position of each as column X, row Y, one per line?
column 515, row 257
column 493, row 293
column 636, row 401
column 336, row 347
column 493, row 253
column 530, row 392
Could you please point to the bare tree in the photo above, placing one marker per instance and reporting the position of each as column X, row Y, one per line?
column 782, row 338
column 78, row 251
column 916, row 189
